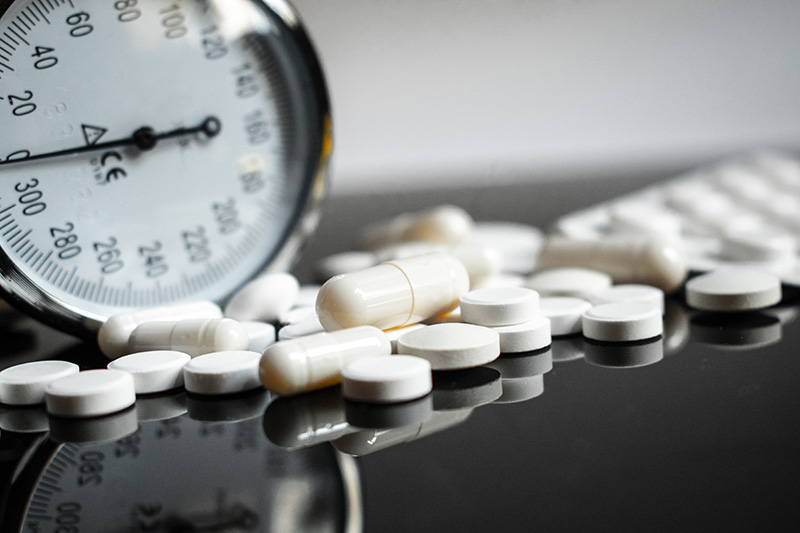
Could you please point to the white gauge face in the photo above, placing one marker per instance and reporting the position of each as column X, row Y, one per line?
column 152, row 151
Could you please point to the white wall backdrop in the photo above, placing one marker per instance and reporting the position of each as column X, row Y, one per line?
column 435, row 93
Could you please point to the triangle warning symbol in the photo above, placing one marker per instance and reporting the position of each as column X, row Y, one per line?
column 92, row 133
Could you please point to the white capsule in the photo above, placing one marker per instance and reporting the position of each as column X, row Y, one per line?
column 342, row 263
column 194, row 336
column 564, row 313
column 265, row 298
column 628, row 260
column 316, row 361
column 114, row 334
column 446, row 224
column 393, row 294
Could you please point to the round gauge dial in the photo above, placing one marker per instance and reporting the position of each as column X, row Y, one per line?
column 153, row 151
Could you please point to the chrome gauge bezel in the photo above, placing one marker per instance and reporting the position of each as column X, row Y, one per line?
column 301, row 71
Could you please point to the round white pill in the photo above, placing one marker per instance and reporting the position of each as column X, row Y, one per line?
column 261, row 335
column 633, row 293
column 451, row 346
column 499, row 306
column 733, row 289
column 90, row 393
column 222, row 372
column 568, row 281
column 564, row 313
column 25, row 384
column 395, row 333
column 156, row 371
column 387, row 379
column 622, row 322
column 525, row 337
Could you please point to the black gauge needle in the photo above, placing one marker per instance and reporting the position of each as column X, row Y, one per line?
column 144, row 138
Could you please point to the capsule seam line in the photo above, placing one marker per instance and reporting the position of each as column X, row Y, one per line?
column 411, row 290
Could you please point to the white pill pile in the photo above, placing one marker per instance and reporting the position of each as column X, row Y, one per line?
column 429, row 294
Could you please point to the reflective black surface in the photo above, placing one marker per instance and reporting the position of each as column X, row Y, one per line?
column 695, row 431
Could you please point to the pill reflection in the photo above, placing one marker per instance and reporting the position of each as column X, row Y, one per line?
column 465, row 389
column 94, row 430
column 231, row 408
column 368, row 441
column 160, row 406
column 567, row 348
column 740, row 331
column 624, row 355
column 24, row 419
column 306, row 419
column 374, row 416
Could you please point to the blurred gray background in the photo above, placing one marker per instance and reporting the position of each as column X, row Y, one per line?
column 439, row 93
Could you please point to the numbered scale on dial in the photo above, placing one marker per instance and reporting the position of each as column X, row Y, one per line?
column 153, row 151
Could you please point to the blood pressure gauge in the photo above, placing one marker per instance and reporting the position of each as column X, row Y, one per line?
column 152, row 151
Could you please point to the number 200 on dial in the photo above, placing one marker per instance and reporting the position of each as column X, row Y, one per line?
column 152, row 151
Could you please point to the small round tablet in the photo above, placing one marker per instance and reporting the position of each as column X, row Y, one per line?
column 261, row 335
column 90, row 393
column 25, row 384
column 499, row 306
column 643, row 294
column 622, row 322
column 568, row 281
column 451, row 346
column 564, row 313
column 395, row 333
column 387, row 379
column 155, row 371
column 222, row 372
column 733, row 289
column 525, row 337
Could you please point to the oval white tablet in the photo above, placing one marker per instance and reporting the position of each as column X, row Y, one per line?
column 156, row 371
column 451, row 346
column 622, row 322
column 25, row 384
column 90, row 393
column 387, row 379
column 633, row 293
column 222, row 373
column 568, row 281
column 733, row 289
column 261, row 335
column 499, row 306
column 564, row 314
column 525, row 337
column 518, row 244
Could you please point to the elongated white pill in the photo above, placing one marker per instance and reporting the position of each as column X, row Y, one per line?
column 499, row 306
column 90, row 393
column 622, row 322
column 393, row 294
column 451, row 346
column 574, row 282
column 733, row 289
column 517, row 244
column 528, row 336
column 155, row 371
column 633, row 259
column 226, row 372
column 387, row 379
column 194, row 336
column 564, row 313
column 306, row 326
column 115, row 333
column 316, row 361
column 445, row 224
column 25, row 384
column 633, row 293
column 265, row 298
